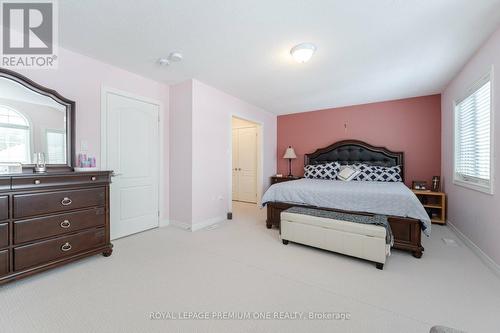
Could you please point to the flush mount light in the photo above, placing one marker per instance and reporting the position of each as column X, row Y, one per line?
column 163, row 62
column 172, row 57
column 175, row 56
column 303, row 52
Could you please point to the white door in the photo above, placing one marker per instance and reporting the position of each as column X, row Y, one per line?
column 132, row 152
column 245, row 165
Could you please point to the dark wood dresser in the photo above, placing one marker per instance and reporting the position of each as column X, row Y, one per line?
column 51, row 219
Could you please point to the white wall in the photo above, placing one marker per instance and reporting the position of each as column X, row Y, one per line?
column 212, row 142
column 476, row 215
column 201, row 132
column 181, row 152
column 212, row 112
column 80, row 78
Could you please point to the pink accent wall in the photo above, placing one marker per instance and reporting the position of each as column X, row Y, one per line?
column 411, row 125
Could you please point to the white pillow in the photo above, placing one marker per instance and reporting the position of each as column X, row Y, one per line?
column 348, row 173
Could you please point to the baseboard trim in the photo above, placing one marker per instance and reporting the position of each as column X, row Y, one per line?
column 197, row 226
column 164, row 223
column 180, row 225
column 490, row 263
column 207, row 223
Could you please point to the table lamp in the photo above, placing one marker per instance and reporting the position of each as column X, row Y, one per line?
column 290, row 155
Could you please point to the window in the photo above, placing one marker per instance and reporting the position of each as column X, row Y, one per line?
column 473, row 117
column 56, row 147
column 14, row 136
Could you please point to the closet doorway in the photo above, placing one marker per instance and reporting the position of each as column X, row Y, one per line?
column 245, row 160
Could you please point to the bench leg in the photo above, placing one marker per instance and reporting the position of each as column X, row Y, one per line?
column 380, row 266
column 285, row 242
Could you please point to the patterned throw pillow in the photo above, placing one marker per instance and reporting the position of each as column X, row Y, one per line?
column 366, row 172
column 388, row 174
column 331, row 170
column 311, row 171
column 378, row 173
column 322, row 171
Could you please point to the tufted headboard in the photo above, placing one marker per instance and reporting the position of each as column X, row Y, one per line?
column 353, row 151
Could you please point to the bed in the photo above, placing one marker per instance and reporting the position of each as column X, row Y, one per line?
column 406, row 215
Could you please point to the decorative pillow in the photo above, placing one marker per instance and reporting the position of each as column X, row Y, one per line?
column 388, row 174
column 322, row 171
column 312, row 171
column 331, row 170
column 366, row 172
column 347, row 173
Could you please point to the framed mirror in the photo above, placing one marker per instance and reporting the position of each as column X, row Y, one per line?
column 34, row 120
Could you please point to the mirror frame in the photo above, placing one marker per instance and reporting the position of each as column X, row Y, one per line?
column 70, row 118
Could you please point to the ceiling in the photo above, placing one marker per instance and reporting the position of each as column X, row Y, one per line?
column 368, row 50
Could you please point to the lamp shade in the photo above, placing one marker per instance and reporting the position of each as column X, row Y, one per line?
column 290, row 153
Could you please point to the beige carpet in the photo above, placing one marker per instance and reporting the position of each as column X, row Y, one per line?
column 243, row 267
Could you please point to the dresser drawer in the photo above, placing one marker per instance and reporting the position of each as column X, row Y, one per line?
column 45, row 181
column 42, row 252
column 4, row 183
column 4, row 235
column 4, row 208
column 43, row 227
column 4, row 262
column 26, row 205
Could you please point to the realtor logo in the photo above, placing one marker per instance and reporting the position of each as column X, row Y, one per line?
column 29, row 34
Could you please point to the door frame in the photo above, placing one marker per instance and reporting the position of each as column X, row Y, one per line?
column 260, row 158
column 105, row 90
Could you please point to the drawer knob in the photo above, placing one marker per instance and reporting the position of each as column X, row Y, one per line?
column 93, row 178
column 66, row 247
column 66, row 201
column 37, row 181
column 65, row 224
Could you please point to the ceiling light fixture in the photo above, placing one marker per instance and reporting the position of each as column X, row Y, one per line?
column 175, row 56
column 303, row 52
column 172, row 57
column 163, row 62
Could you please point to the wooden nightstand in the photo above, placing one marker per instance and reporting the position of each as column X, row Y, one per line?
column 434, row 203
column 275, row 179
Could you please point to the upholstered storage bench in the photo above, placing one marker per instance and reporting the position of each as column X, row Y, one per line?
column 335, row 232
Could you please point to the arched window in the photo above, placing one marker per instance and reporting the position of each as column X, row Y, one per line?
column 14, row 136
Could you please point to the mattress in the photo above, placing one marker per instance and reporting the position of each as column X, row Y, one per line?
column 385, row 198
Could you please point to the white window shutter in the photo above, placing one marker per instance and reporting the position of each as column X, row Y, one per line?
column 473, row 135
